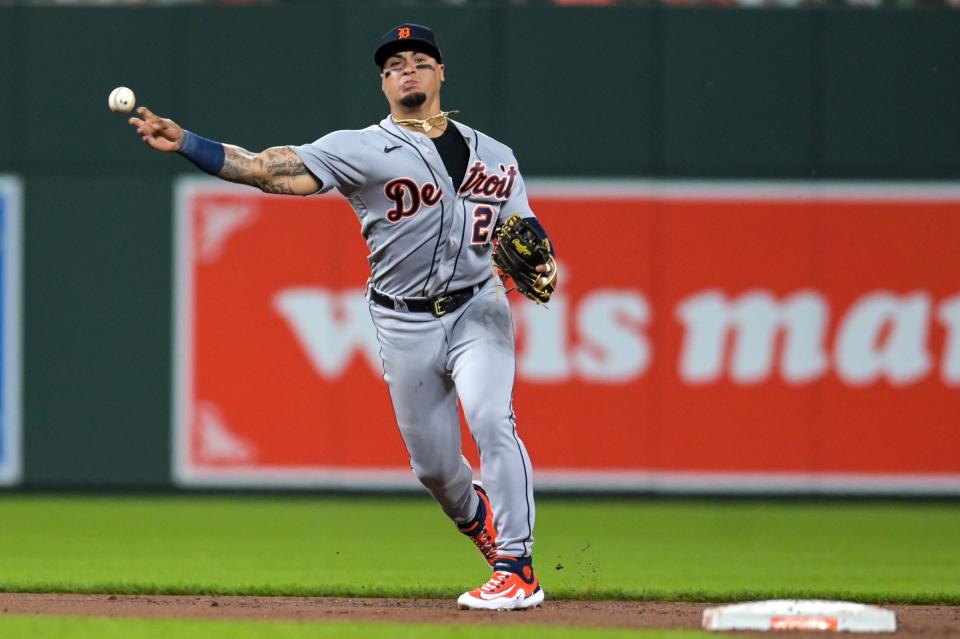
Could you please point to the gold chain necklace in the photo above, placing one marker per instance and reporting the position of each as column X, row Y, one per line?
column 437, row 121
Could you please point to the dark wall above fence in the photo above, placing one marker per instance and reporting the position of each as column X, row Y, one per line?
column 577, row 91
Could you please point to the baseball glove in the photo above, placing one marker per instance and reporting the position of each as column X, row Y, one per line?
column 519, row 249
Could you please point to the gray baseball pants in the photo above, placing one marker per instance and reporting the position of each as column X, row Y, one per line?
column 429, row 363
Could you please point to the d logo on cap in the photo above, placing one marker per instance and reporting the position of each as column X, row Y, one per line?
column 406, row 36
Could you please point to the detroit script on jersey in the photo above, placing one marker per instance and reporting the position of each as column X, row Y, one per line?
column 408, row 196
column 426, row 235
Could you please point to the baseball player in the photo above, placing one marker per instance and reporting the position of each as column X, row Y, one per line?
column 429, row 193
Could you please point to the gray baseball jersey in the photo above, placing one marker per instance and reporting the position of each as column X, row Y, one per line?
column 428, row 236
column 425, row 235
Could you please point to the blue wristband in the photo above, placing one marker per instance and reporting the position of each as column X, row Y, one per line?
column 206, row 154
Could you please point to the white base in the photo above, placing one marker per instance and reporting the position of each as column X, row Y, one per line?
column 800, row 614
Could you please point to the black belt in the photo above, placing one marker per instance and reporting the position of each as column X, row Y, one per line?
column 439, row 305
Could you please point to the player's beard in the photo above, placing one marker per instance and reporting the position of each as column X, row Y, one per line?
column 413, row 100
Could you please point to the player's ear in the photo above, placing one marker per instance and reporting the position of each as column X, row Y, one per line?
column 442, row 79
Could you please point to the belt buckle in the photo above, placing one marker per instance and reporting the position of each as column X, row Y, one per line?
column 437, row 301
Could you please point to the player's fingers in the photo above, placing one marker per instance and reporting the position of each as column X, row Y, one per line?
column 137, row 122
column 545, row 268
column 154, row 142
column 171, row 132
column 148, row 115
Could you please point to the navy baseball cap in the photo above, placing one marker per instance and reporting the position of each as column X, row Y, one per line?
column 406, row 37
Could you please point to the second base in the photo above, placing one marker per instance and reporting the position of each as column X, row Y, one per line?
column 800, row 614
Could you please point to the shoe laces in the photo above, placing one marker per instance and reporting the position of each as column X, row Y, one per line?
column 484, row 541
column 496, row 582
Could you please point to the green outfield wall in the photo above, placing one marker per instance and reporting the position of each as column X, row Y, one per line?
column 629, row 91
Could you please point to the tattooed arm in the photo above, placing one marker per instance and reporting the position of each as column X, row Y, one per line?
column 276, row 170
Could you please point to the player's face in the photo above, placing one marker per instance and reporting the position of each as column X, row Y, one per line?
column 408, row 73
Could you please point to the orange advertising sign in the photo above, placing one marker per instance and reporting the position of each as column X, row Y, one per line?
column 704, row 337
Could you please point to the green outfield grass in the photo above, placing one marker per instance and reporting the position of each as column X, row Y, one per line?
column 24, row 627
column 672, row 550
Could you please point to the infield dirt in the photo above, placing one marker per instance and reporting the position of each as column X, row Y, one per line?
column 927, row 622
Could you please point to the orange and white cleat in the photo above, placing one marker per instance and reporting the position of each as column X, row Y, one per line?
column 513, row 586
column 481, row 530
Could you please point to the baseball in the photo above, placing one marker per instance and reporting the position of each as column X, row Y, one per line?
column 121, row 100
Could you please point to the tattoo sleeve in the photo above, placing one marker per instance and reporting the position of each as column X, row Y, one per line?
column 276, row 170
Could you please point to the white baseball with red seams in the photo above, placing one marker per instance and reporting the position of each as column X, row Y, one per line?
column 121, row 100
